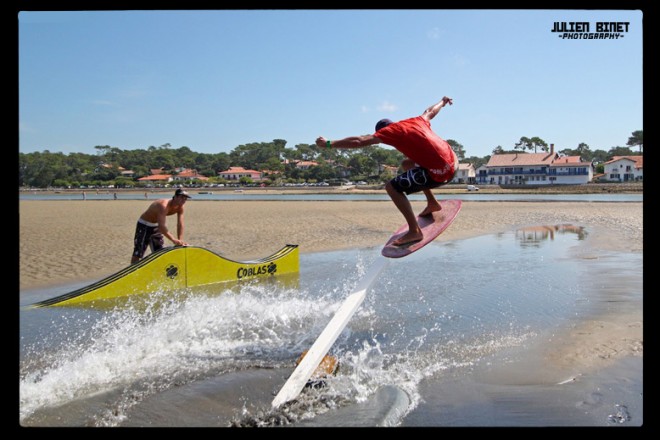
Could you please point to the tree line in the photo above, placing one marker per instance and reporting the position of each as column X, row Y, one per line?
column 46, row 169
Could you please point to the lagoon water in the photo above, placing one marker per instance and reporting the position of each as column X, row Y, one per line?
column 217, row 358
column 284, row 195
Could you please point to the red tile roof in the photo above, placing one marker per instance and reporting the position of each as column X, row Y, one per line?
column 157, row 177
column 570, row 161
column 520, row 159
column 639, row 160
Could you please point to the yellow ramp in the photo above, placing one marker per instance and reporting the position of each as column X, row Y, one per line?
column 177, row 268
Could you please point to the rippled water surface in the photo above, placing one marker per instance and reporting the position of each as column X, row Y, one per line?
column 217, row 357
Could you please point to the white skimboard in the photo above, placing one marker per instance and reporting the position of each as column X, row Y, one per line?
column 296, row 382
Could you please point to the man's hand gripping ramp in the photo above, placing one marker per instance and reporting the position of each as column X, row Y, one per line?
column 319, row 349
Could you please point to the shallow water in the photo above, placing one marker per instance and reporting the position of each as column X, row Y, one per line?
column 218, row 357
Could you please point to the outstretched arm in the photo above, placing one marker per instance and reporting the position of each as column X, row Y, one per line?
column 162, row 227
column 180, row 226
column 349, row 142
column 430, row 112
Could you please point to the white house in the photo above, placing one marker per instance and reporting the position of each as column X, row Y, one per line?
column 189, row 175
column 571, row 170
column 482, row 174
column 306, row 164
column 235, row 173
column 624, row 169
column 537, row 169
column 464, row 174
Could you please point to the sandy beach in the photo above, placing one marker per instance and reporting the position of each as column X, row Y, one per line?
column 68, row 241
column 71, row 241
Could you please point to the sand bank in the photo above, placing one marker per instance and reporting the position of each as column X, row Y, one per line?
column 70, row 241
column 66, row 241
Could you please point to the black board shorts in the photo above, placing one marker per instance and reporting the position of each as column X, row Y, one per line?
column 146, row 235
column 415, row 180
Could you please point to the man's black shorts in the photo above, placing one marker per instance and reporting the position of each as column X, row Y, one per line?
column 414, row 180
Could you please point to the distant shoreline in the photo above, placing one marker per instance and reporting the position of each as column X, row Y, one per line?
column 587, row 188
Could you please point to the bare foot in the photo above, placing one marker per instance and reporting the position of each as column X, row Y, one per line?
column 410, row 237
column 430, row 209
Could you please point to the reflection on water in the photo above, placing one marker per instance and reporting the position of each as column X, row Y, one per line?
column 209, row 359
column 534, row 235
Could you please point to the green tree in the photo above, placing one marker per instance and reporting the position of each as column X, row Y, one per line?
column 637, row 139
column 124, row 182
column 619, row 151
column 363, row 165
column 477, row 161
column 185, row 157
column 322, row 172
column 458, row 149
column 533, row 143
column 537, row 142
column 274, row 164
column 581, row 150
column 40, row 170
column 599, row 156
column 43, row 169
column 255, row 155
column 102, row 151
column 523, row 144
column 139, row 171
column 385, row 156
column 498, row 150
column 102, row 174
column 307, row 152
column 221, row 162
column 163, row 158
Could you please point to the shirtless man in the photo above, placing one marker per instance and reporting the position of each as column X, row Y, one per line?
column 151, row 226
column 430, row 162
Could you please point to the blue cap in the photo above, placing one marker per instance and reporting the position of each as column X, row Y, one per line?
column 382, row 123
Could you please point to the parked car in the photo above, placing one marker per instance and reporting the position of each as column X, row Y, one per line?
column 472, row 188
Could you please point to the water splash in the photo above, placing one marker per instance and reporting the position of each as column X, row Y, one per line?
column 621, row 416
column 176, row 342
column 419, row 321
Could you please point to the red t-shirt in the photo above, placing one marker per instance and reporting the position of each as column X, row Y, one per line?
column 414, row 138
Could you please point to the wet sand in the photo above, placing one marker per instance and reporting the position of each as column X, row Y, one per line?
column 67, row 241
column 70, row 241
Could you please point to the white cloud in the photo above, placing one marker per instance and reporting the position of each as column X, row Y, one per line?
column 433, row 34
column 104, row 102
column 387, row 107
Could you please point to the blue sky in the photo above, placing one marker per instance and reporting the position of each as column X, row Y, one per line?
column 213, row 80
